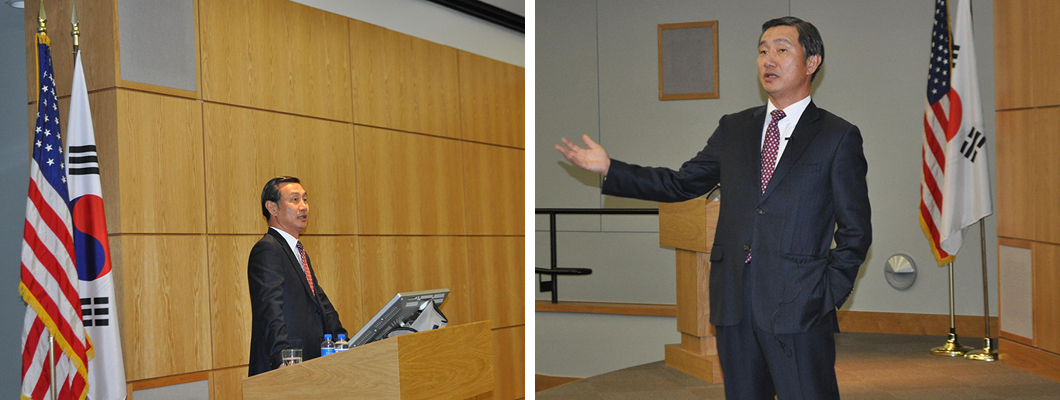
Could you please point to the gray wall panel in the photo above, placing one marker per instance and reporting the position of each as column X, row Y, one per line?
column 157, row 42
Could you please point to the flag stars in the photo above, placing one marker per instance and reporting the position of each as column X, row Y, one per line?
column 47, row 132
column 51, row 161
column 38, row 143
column 48, row 147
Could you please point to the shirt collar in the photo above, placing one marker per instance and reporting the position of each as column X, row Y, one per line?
column 793, row 112
column 291, row 240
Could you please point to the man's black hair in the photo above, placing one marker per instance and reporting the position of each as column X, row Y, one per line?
column 809, row 38
column 271, row 192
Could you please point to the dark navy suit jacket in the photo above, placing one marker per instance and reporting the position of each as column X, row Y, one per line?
column 817, row 193
column 284, row 309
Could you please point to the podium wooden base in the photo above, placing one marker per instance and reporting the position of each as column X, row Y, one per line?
column 705, row 367
column 454, row 362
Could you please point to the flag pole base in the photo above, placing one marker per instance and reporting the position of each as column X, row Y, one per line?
column 987, row 353
column 951, row 348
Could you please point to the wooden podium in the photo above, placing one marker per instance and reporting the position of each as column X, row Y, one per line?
column 688, row 227
column 455, row 362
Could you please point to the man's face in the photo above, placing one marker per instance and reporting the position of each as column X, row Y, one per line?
column 783, row 69
column 291, row 214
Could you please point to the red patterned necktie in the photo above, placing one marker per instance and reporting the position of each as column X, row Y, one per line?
column 769, row 153
column 770, row 147
column 305, row 268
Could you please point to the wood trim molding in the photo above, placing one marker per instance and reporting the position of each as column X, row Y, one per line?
column 168, row 381
column 968, row 326
column 651, row 310
column 546, row 382
column 1039, row 362
column 1017, row 338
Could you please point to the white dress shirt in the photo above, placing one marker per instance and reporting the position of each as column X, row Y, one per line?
column 785, row 126
column 292, row 242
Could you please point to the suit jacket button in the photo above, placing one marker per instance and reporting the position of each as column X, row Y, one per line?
column 746, row 247
column 760, row 212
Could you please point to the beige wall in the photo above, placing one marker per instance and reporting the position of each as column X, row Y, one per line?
column 412, row 152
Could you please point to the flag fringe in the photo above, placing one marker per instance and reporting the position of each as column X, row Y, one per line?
column 82, row 369
column 942, row 261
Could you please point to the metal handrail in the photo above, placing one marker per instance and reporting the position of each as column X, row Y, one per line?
column 554, row 270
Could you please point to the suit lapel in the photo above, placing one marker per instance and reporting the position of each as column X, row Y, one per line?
column 751, row 143
column 294, row 261
column 804, row 132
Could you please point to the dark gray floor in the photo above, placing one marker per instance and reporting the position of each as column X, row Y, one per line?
column 868, row 365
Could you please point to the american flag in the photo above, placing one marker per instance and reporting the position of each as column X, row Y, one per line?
column 49, row 283
column 955, row 190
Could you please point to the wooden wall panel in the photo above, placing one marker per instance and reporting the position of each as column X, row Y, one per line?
column 495, row 189
column 227, row 384
column 403, row 264
column 402, row 82
column 408, row 184
column 104, row 106
column 1044, row 30
column 276, row 55
column 1046, row 299
column 335, row 262
column 492, row 101
column 245, row 148
column 508, row 362
column 1016, row 173
column 230, row 313
column 1013, row 54
column 1042, row 154
column 98, row 25
column 166, row 316
column 496, row 280
column 160, row 156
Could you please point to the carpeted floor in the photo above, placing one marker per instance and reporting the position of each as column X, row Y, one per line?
column 868, row 365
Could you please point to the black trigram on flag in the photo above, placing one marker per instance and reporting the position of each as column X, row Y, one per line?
column 972, row 143
column 83, row 161
column 95, row 311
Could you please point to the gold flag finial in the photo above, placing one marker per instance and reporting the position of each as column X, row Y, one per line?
column 76, row 32
column 40, row 19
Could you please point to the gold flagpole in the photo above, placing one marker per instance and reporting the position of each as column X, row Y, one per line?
column 952, row 347
column 988, row 352
column 42, row 30
column 76, row 31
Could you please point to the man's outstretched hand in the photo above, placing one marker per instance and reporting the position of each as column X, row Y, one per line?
column 593, row 159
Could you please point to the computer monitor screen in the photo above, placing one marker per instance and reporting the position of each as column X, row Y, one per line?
column 399, row 312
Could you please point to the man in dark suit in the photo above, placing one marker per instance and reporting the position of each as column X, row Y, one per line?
column 290, row 309
column 793, row 179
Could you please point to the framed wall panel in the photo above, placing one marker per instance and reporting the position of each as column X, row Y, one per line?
column 496, row 280
column 409, row 184
column 275, row 55
column 491, row 101
column 1046, row 299
column 1042, row 154
column 230, row 313
column 160, row 160
column 1046, row 85
column 166, row 305
column 1016, row 173
column 403, row 264
column 1013, row 54
column 688, row 60
column 495, row 189
column 227, row 383
column 1015, row 282
column 404, row 83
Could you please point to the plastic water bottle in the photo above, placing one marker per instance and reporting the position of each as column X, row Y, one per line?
column 327, row 347
column 341, row 344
